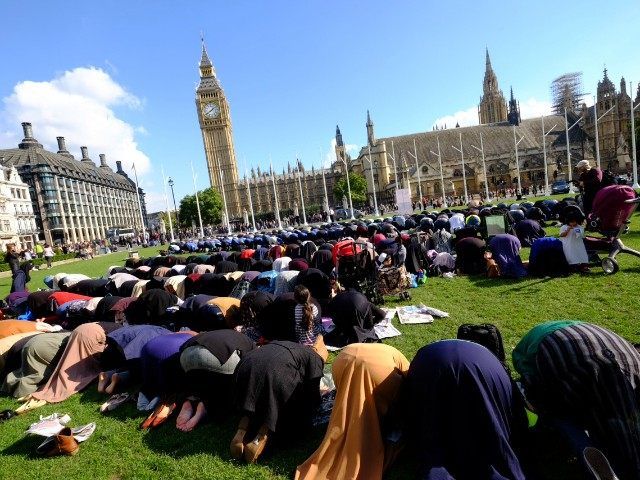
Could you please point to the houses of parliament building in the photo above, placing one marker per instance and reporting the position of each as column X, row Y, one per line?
column 413, row 160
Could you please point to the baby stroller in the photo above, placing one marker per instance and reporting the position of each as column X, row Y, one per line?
column 610, row 216
column 355, row 268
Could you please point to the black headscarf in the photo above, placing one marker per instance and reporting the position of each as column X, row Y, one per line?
column 323, row 261
column 226, row 266
column 151, row 308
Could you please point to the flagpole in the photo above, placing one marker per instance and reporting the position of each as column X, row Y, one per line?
column 324, row 185
column 166, row 201
column 253, row 218
column 195, row 188
column 304, row 213
column 144, row 233
column 275, row 195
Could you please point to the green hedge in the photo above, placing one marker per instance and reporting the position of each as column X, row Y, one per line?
column 4, row 267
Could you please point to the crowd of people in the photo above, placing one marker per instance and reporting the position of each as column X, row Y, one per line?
column 243, row 325
column 212, row 335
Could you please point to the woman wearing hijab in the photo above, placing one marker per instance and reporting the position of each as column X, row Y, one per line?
column 281, row 264
column 40, row 356
column 354, row 317
column 251, row 308
column 368, row 378
column 582, row 378
column 323, row 261
column 121, row 357
column 151, row 308
column 464, row 412
column 226, row 266
column 79, row 365
column 505, row 250
column 209, row 360
column 161, row 374
column 308, row 249
column 470, row 256
column 277, row 386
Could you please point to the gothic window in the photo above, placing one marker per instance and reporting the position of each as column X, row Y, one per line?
column 425, row 169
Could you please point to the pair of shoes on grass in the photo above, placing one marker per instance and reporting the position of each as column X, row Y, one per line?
column 252, row 450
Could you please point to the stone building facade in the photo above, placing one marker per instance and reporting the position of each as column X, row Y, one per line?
column 17, row 220
column 614, row 128
column 74, row 200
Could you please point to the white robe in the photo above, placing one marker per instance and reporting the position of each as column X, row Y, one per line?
column 573, row 245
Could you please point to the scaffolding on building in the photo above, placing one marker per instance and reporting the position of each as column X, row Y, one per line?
column 566, row 92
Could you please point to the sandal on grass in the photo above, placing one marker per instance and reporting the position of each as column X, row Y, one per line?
column 114, row 402
column 7, row 415
column 31, row 404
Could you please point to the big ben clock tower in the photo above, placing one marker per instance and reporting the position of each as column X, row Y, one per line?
column 215, row 122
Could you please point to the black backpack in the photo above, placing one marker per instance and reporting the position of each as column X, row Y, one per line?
column 485, row 334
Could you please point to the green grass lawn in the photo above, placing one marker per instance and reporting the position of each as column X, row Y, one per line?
column 118, row 450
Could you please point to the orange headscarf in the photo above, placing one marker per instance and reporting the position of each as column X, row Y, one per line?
column 367, row 377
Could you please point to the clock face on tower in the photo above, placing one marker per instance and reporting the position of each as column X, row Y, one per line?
column 211, row 110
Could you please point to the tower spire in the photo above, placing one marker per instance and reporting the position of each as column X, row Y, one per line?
column 487, row 61
column 206, row 67
column 514, row 110
column 371, row 138
column 339, row 141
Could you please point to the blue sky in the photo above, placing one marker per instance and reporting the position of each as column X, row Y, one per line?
column 291, row 71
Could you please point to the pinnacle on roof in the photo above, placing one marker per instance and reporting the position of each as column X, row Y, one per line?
column 204, row 59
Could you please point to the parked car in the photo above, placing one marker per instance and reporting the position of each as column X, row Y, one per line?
column 561, row 186
column 624, row 180
column 345, row 213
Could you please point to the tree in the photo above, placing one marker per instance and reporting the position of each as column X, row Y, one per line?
column 211, row 208
column 358, row 186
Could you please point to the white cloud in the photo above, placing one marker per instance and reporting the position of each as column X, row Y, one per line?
column 330, row 155
column 465, row 118
column 529, row 108
column 532, row 108
column 78, row 105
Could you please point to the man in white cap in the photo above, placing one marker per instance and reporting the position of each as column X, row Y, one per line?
column 590, row 183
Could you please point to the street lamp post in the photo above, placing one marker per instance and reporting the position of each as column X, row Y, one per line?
column 373, row 184
column 484, row 167
column 597, row 119
column 544, row 154
column 516, row 143
column 175, row 208
column 464, row 175
column 166, row 201
column 634, row 163
column 444, row 197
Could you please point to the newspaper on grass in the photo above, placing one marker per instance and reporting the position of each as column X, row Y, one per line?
column 414, row 314
column 384, row 328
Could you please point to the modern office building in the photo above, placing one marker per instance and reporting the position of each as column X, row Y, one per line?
column 74, row 200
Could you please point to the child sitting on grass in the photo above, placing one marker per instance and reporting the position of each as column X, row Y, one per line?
column 572, row 237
